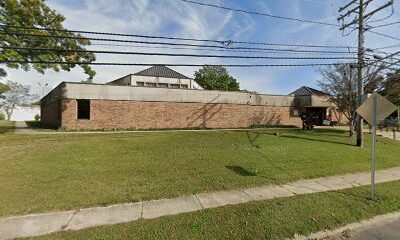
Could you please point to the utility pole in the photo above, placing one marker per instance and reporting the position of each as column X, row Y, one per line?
column 360, row 65
column 359, row 22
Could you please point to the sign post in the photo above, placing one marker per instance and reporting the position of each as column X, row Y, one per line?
column 375, row 108
column 373, row 147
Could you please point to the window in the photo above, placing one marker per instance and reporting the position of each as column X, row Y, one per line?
column 174, row 85
column 150, row 84
column 141, row 84
column 83, row 108
column 184, row 86
column 163, row 85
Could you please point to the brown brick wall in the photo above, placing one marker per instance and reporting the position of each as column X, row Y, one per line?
column 49, row 114
column 153, row 115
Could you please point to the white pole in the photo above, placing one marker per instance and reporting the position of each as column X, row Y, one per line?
column 373, row 197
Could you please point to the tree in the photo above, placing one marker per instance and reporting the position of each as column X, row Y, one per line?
column 390, row 87
column 216, row 78
column 17, row 95
column 340, row 82
column 20, row 18
column 3, row 88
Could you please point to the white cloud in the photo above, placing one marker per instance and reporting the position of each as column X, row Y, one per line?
column 176, row 18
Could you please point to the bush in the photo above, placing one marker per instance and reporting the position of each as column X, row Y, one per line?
column 2, row 116
column 37, row 117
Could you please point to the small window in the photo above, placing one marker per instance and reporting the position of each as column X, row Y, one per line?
column 162, row 85
column 83, row 108
column 141, row 84
column 184, row 86
column 174, row 85
column 150, row 84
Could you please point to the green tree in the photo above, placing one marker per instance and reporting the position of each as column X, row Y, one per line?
column 3, row 87
column 19, row 17
column 391, row 87
column 216, row 78
column 16, row 95
column 340, row 82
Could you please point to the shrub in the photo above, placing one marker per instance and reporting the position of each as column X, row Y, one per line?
column 2, row 116
column 37, row 117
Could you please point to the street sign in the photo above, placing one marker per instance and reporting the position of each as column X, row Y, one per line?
column 383, row 108
column 375, row 108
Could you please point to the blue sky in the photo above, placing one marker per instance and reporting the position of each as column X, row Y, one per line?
column 176, row 18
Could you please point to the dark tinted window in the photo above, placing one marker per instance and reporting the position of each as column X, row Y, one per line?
column 83, row 108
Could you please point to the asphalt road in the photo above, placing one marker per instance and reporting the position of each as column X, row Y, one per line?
column 389, row 231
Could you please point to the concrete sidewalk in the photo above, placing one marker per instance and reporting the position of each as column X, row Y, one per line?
column 40, row 224
column 55, row 132
column 22, row 127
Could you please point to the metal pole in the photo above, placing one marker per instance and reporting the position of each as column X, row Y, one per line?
column 373, row 197
column 360, row 85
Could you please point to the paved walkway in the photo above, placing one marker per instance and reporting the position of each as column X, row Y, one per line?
column 40, row 224
column 33, row 131
column 22, row 127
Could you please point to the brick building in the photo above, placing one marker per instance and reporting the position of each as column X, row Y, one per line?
column 122, row 105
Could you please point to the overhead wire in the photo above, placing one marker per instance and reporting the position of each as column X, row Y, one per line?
column 171, row 54
column 260, row 13
column 4, row 26
column 171, row 65
column 202, row 49
column 173, row 44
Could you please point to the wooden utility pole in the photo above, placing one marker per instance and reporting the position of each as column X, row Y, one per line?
column 359, row 22
column 360, row 65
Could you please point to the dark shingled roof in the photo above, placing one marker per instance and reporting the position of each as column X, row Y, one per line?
column 160, row 71
column 304, row 90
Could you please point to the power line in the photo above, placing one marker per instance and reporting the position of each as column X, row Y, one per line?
column 223, row 42
column 391, row 46
column 385, row 25
column 259, row 13
column 170, row 54
column 171, row 65
column 174, row 44
column 383, row 58
column 384, row 35
column 199, row 49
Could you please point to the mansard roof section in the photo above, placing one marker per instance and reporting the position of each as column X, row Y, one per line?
column 304, row 91
column 161, row 71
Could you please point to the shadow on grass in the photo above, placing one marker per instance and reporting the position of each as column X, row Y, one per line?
column 6, row 126
column 316, row 140
column 364, row 195
column 246, row 173
column 252, row 139
column 38, row 125
column 286, row 135
column 241, row 171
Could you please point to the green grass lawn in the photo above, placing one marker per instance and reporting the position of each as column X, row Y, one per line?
column 6, row 126
column 40, row 173
column 274, row 219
